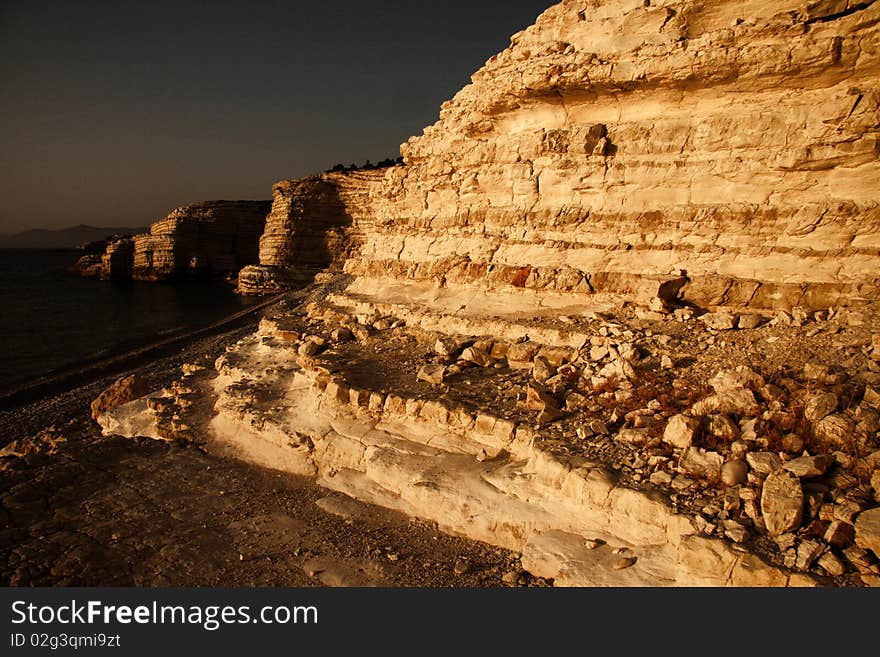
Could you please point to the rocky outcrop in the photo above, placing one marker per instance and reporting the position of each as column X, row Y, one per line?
column 314, row 225
column 106, row 258
column 88, row 265
column 213, row 237
column 729, row 149
column 203, row 239
column 109, row 259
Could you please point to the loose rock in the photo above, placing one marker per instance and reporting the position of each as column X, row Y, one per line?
column 782, row 501
column 734, row 473
column 763, row 462
column 702, row 463
column 868, row 530
column 432, row 373
column 681, row 430
column 542, row 369
column 832, row 564
column 123, row 391
column 819, row 405
column 719, row 321
column 476, row 356
column 839, row 534
column 809, row 466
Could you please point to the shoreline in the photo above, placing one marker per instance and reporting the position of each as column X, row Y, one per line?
column 85, row 509
column 64, row 398
column 123, row 359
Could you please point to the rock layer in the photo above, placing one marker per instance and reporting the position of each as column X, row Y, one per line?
column 615, row 146
column 314, row 224
column 213, row 237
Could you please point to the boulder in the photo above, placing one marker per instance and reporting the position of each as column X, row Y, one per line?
column 730, row 402
column 538, row 398
column 681, row 430
column 521, row 355
column 722, row 427
column 720, row 321
column 763, row 462
column 839, row 534
column 542, row 369
column 123, row 391
column 734, row 473
column 448, row 346
column 808, row 552
column 736, row 379
column 476, row 356
column 749, row 321
column 868, row 530
column 835, row 431
column 782, row 502
column 809, row 466
column 702, row 463
column 431, row 373
column 818, row 405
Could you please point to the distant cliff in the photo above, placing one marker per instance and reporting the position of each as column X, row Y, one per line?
column 210, row 238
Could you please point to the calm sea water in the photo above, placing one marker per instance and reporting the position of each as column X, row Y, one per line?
column 50, row 320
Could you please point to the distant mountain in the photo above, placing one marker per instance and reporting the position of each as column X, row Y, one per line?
column 64, row 238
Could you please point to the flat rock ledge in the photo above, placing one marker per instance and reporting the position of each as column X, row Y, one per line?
column 272, row 401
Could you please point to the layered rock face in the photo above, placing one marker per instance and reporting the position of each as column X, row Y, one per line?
column 314, row 224
column 617, row 144
column 213, row 237
column 116, row 262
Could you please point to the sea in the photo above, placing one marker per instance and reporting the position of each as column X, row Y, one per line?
column 51, row 320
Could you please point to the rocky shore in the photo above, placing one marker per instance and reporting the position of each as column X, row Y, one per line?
column 702, row 452
column 79, row 508
column 616, row 314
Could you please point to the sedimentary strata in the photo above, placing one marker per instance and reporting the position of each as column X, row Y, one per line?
column 213, row 237
column 617, row 145
column 203, row 239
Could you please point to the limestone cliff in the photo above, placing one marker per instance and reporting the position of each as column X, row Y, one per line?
column 116, row 262
column 213, row 237
column 314, row 224
column 616, row 144
column 202, row 239
column 209, row 237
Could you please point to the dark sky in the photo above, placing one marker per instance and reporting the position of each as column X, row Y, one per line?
column 112, row 113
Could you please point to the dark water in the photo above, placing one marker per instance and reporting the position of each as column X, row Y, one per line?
column 50, row 320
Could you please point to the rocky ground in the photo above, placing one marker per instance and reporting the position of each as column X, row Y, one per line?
column 78, row 508
column 762, row 430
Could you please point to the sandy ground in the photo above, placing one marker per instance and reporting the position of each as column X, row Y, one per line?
column 93, row 510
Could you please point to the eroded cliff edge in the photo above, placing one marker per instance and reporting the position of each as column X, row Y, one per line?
column 614, row 143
